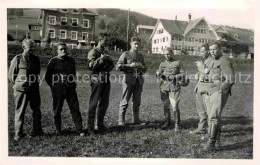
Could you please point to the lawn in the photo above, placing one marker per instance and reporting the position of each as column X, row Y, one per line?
column 140, row 141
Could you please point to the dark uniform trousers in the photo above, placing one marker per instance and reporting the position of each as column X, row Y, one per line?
column 59, row 95
column 21, row 100
column 129, row 90
column 99, row 101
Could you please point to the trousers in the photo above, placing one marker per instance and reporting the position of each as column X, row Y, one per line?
column 171, row 98
column 134, row 91
column 59, row 95
column 98, row 104
column 21, row 100
column 202, row 111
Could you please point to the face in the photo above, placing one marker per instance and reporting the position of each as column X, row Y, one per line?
column 135, row 45
column 62, row 50
column 28, row 48
column 215, row 51
column 104, row 41
column 204, row 52
column 168, row 55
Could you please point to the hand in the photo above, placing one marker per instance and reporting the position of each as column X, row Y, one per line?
column 198, row 63
column 206, row 70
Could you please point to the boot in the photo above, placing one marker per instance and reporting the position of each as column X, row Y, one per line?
column 166, row 125
column 210, row 145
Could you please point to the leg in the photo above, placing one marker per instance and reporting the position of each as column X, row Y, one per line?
column 72, row 100
column 58, row 100
column 35, row 103
column 93, row 101
column 201, row 110
column 175, row 99
column 127, row 93
column 21, row 101
column 103, row 105
column 137, row 92
column 217, row 101
column 166, row 108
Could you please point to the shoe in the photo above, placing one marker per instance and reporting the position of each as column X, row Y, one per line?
column 121, row 124
column 59, row 133
column 82, row 134
column 209, row 146
column 139, row 122
column 18, row 138
column 177, row 128
column 165, row 126
column 218, row 145
column 197, row 132
column 34, row 134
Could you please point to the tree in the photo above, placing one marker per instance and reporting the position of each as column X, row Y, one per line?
column 102, row 25
column 118, row 30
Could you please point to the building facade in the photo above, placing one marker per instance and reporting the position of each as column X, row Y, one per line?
column 68, row 25
column 184, row 37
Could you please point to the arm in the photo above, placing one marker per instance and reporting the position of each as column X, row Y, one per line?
column 49, row 72
column 228, row 73
column 160, row 72
column 13, row 70
column 93, row 62
column 121, row 66
column 182, row 72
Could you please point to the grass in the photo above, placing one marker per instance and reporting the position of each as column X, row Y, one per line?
column 141, row 141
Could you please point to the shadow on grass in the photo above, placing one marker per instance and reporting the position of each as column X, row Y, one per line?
column 239, row 145
column 236, row 120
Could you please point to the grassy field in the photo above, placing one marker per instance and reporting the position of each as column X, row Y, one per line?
column 140, row 141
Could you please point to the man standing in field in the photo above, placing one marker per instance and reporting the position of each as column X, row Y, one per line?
column 218, row 88
column 60, row 76
column 200, row 91
column 23, row 72
column 101, row 64
column 170, row 72
column 133, row 65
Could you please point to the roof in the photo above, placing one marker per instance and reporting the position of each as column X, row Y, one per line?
column 244, row 35
column 191, row 24
column 21, row 22
column 174, row 26
column 89, row 11
column 146, row 27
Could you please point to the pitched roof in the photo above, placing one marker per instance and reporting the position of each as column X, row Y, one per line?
column 244, row 35
column 191, row 24
column 89, row 11
column 146, row 27
column 174, row 26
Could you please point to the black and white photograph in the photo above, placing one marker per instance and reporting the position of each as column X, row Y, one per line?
column 155, row 82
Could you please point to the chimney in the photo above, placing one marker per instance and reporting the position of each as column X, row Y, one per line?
column 176, row 18
column 189, row 17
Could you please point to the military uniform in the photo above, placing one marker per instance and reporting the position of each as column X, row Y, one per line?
column 202, row 110
column 169, row 73
column 217, row 90
column 60, row 76
column 132, row 83
column 23, row 72
column 100, row 87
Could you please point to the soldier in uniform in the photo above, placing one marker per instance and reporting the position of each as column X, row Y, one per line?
column 218, row 88
column 132, row 64
column 101, row 64
column 202, row 76
column 170, row 72
column 23, row 72
column 60, row 76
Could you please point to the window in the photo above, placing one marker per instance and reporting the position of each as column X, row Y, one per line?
column 52, row 33
column 86, row 23
column 64, row 10
column 63, row 34
column 75, row 11
column 252, row 38
column 236, row 36
column 74, row 35
column 84, row 35
column 63, row 21
column 36, row 27
column 163, row 39
column 75, row 21
column 52, row 19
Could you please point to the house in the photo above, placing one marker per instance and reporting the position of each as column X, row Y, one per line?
column 184, row 37
column 68, row 25
column 144, row 32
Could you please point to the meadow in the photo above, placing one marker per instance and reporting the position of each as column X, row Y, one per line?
column 146, row 141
